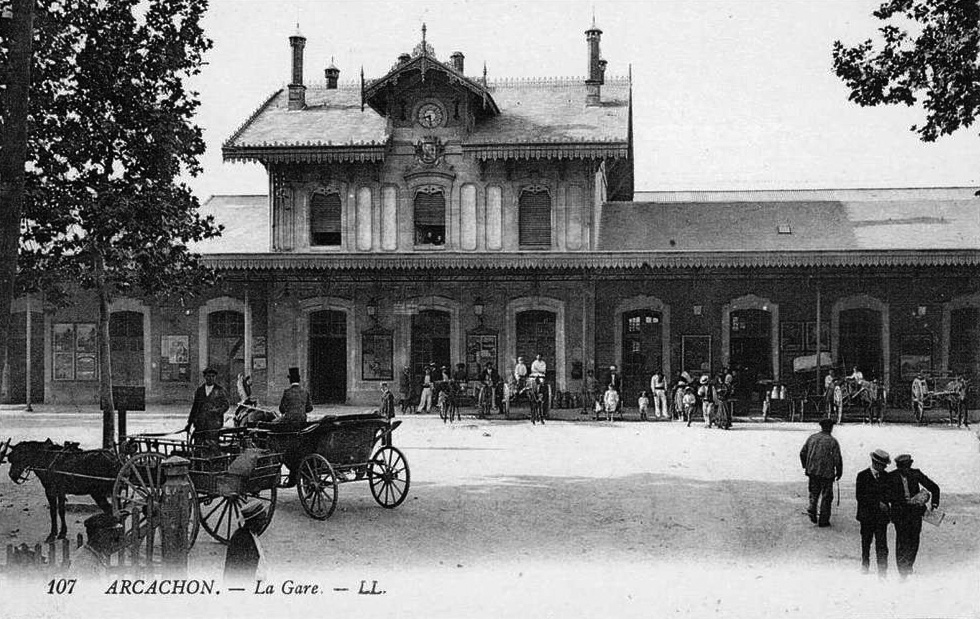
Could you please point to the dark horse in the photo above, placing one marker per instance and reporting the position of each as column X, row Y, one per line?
column 535, row 396
column 63, row 470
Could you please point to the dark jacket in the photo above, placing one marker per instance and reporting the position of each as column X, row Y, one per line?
column 871, row 493
column 405, row 385
column 821, row 457
column 208, row 411
column 295, row 404
column 387, row 409
column 901, row 510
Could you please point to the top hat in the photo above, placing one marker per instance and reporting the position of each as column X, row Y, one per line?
column 903, row 460
column 881, row 457
column 210, row 370
column 294, row 375
column 826, row 424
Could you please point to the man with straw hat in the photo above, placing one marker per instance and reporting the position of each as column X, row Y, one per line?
column 911, row 493
column 872, row 511
column 822, row 462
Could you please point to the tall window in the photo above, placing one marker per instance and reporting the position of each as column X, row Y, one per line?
column 74, row 351
column 430, row 216
column 226, row 345
column 126, row 347
column 534, row 210
column 325, row 220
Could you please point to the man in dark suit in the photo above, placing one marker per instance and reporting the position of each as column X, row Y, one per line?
column 910, row 493
column 872, row 511
column 294, row 406
column 295, row 402
column 208, row 410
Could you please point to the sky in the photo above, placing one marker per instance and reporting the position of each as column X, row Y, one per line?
column 728, row 94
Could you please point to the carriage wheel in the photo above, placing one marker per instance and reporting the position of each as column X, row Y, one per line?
column 221, row 516
column 317, row 486
column 138, row 491
column 389, row 477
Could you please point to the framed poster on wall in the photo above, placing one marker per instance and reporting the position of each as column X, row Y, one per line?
column 175, row 363
column 376, row 355
column 481, row 348
column 696, row 353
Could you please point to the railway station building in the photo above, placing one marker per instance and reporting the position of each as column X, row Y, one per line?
column 430, row 216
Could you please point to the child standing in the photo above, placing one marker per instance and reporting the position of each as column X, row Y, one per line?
column 387, row 409
column 644, row 404
column 690, row 401
column 611, row 401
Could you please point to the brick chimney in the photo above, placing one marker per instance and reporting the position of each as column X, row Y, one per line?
column 457, row 60
column 332, row 73
column 597, row 67
column 297, row 91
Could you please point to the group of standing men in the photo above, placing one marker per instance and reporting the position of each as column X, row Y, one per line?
column 901, row 497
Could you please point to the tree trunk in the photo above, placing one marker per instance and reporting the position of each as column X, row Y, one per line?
column 18, row 32
column 105, row 360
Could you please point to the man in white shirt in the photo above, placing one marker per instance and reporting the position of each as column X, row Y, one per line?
column 658, row 386
column 919, row 390
column 539, row 369
column 856, row 375
column 520, row 373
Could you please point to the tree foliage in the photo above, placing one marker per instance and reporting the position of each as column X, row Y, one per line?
column 927, row 53
column 111, row 133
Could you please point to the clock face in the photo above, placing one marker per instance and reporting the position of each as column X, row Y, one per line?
column 430, row 115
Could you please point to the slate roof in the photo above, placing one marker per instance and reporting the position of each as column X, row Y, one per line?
column 246, row 222
column 881, row 227
column 545, row 111
column 332, row 117
column 554, row 110
column 873, row 220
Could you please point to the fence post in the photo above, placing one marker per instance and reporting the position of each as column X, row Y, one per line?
column 174, row 511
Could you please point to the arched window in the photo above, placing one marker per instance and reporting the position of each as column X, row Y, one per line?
column 534, row 212
column 430, row 216
column 325, row 230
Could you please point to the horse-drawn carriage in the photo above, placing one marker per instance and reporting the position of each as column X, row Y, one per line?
column 336, row 450
column 222, row 474
column 944, row 399
column 535, row 392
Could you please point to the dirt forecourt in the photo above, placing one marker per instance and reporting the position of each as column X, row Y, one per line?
column 587, row 519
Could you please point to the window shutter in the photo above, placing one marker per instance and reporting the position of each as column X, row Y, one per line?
column 535, row 219
column 430, row 209
column 325, row 219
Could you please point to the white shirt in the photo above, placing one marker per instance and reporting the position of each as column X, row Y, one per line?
column 657, row 382
column 520, row 371
column 208, row 389
column 539, row 368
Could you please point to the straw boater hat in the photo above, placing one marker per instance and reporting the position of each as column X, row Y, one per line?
column 252, row 509
column 704, row 379
column 881, row 457
column 903, row 460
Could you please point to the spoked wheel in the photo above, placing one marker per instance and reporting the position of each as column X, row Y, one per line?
column 221, row 516
column 137, row 498
column 389, row 477
column 317, row 486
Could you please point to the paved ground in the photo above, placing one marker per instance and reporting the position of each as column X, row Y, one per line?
column 568, row 520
